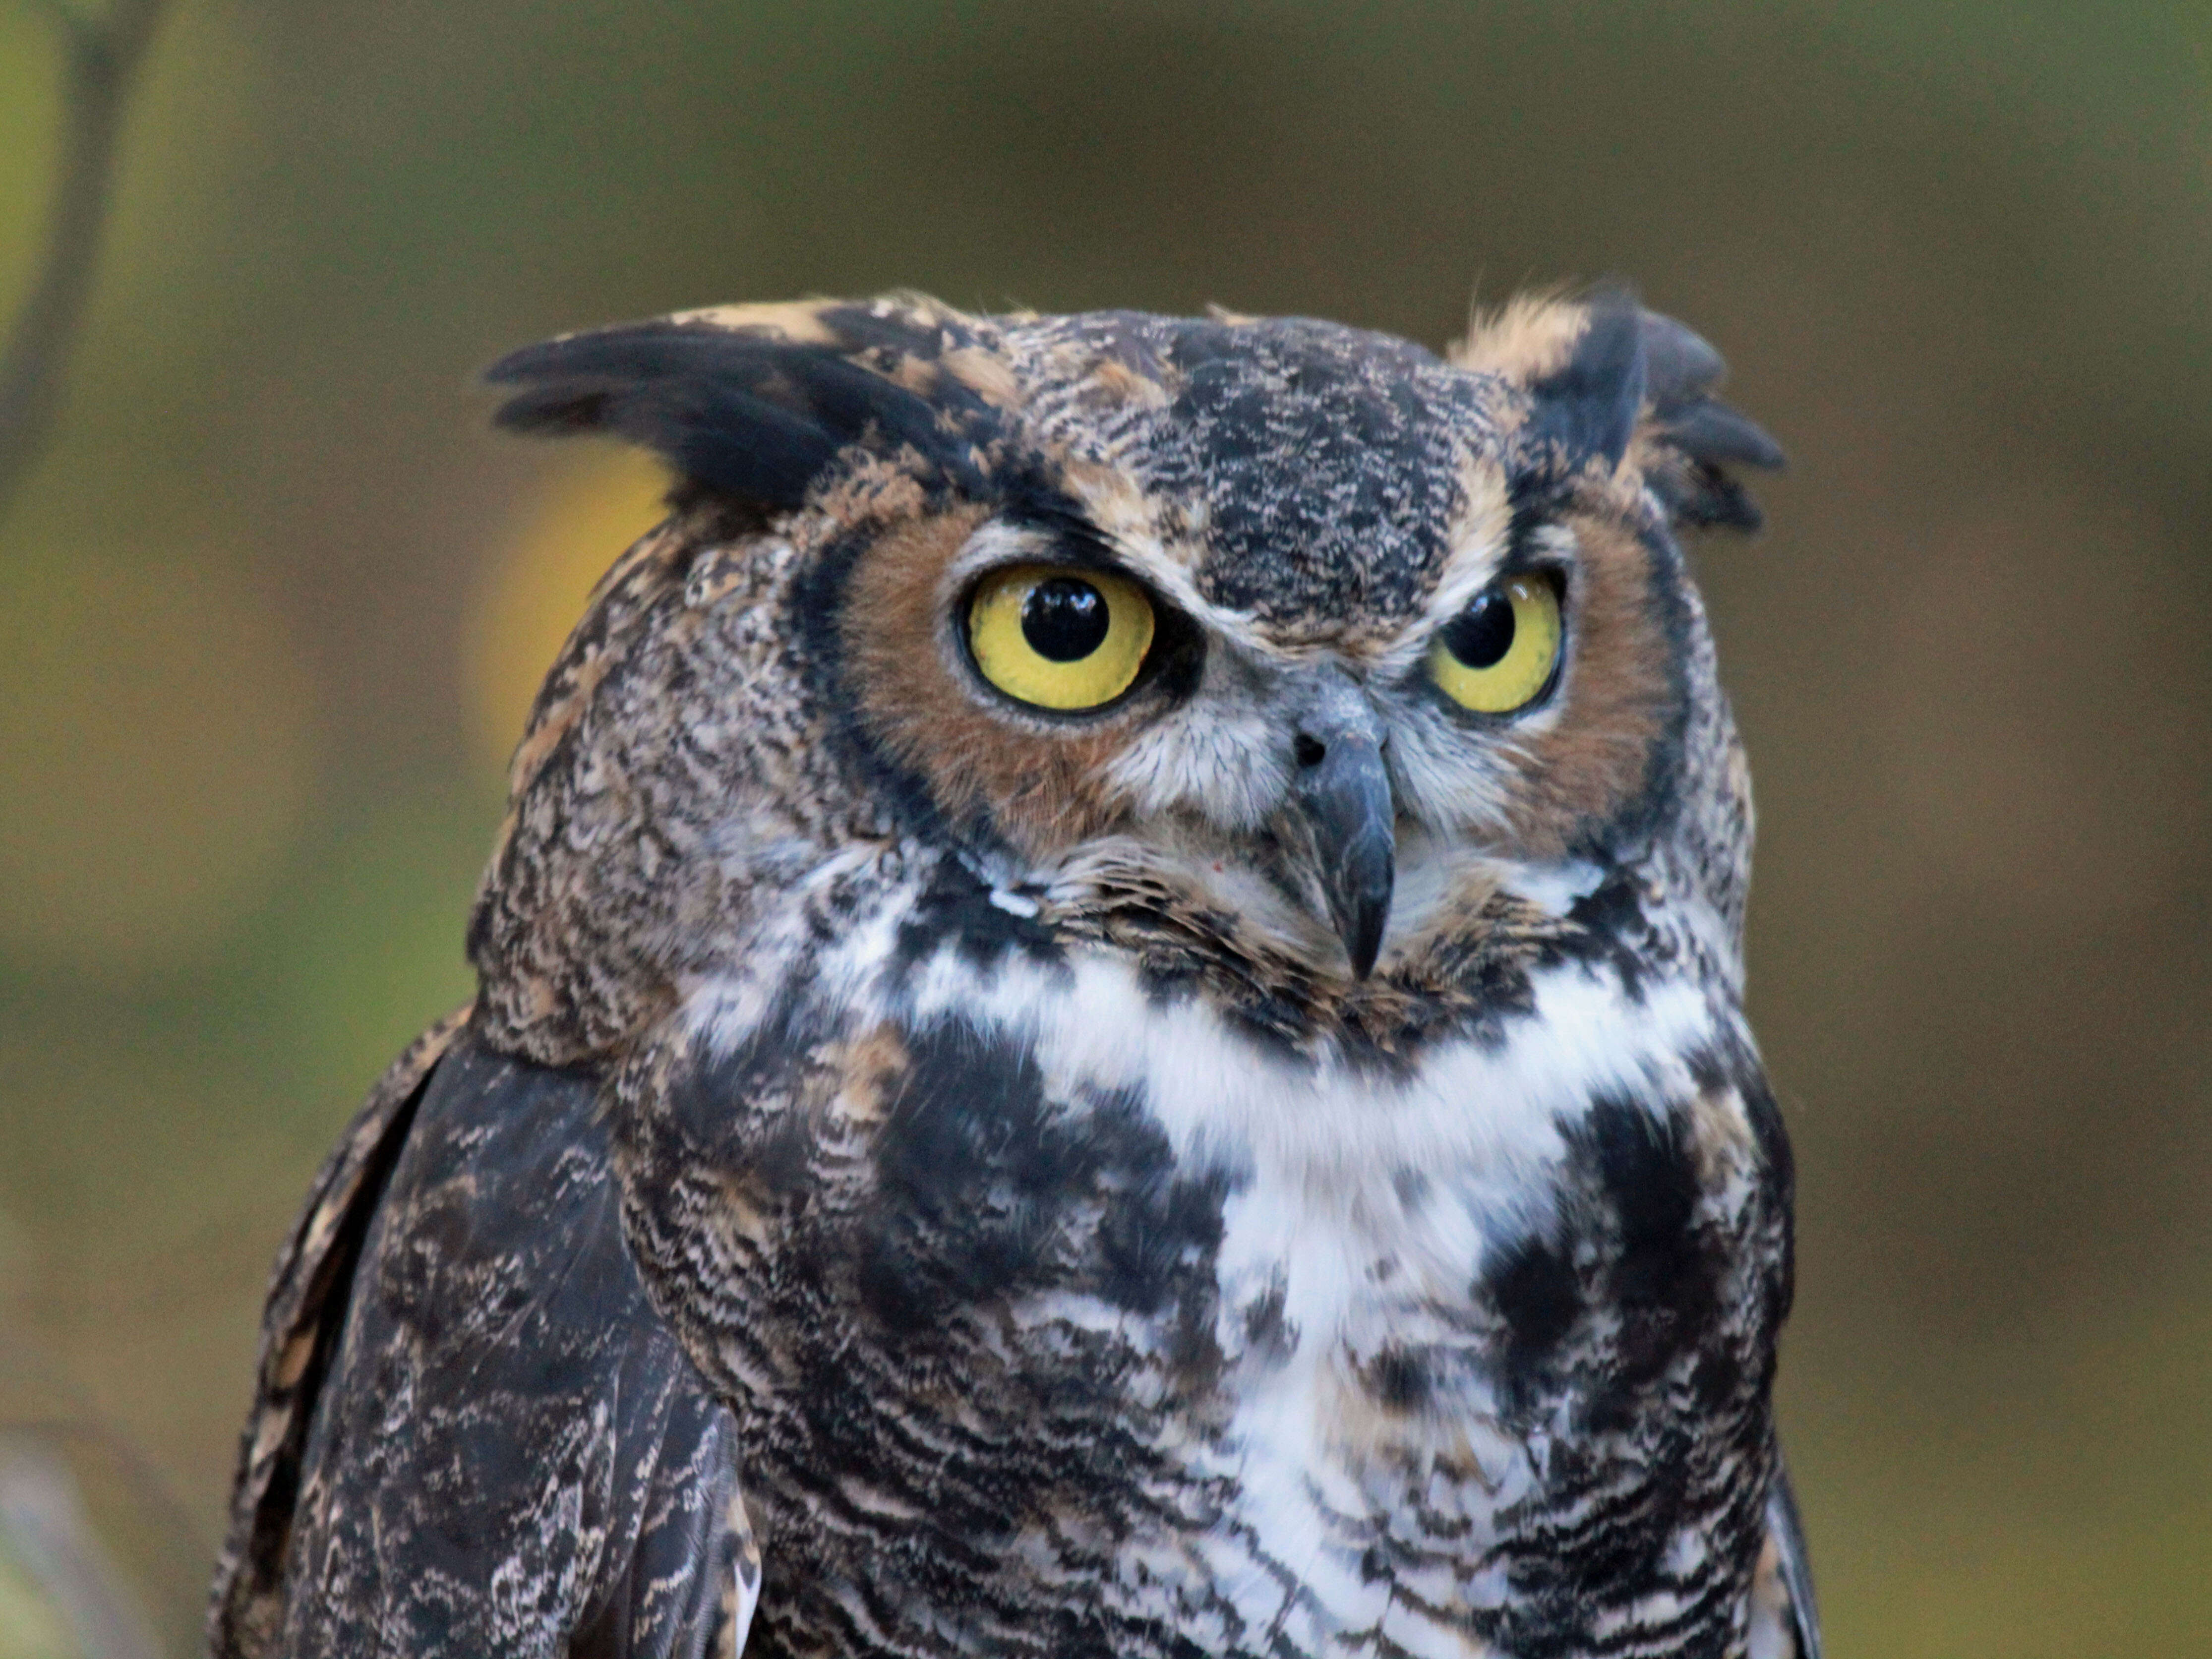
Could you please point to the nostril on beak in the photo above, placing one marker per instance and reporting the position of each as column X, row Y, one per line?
column 1309, row 751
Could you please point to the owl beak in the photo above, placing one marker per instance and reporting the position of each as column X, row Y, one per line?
column 1345, row 790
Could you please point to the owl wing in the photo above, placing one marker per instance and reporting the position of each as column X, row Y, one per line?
column 1785, row 1622
column 473, row 1435
column 300, row 1326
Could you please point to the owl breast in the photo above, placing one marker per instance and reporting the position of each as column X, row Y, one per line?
column 1062, row 1312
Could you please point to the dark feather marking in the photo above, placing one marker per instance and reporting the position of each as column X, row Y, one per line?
column 1735, row 1068
column 1587, row 408
column 974, row 1175
column 1399, row 1379
column 1774, row 1149
column 1533, row 1284
column 895, row 333
column 818, row 654
column 1268, row 1333
column 980, row 1176
column 1679, row 364
column 1665, row 1281
column 1647, row 816
column 758, row 418
column 956, row 908
column 770, row 1148
column 1607, row 927
column 1160, row 1223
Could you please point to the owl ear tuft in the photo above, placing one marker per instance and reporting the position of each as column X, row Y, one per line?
column 1609, row 380
column 1688, row 440
column 749, row 402
column 1588, row 404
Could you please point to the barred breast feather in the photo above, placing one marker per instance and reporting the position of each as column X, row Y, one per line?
column 1057, row 1313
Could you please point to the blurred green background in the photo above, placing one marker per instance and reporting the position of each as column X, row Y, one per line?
column 271, row 609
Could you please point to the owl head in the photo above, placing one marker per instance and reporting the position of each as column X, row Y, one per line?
column 1280, row 653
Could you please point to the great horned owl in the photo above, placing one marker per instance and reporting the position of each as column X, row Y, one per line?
column 1109, row 1023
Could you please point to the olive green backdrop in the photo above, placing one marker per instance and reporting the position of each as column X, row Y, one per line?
column 269, row 613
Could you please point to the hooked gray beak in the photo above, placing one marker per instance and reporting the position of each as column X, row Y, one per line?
column 1345, row 790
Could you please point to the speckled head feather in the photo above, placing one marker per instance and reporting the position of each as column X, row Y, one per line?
column 1109, row 1024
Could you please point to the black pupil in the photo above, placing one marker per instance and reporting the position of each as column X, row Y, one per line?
column 1064, row 619
column 1481, row 635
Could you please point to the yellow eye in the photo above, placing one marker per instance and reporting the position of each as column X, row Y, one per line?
column 1059, row 638
column 1497, row 654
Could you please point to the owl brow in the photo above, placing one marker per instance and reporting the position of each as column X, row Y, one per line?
column 1074, row 539
column 1069, row 537
column 1002, row 540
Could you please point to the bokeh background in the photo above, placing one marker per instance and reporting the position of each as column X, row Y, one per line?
column 273, row 606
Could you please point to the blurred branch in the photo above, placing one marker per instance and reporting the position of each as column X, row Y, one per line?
column 48, row 1531
column 101, row 53
column 49, row 1440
